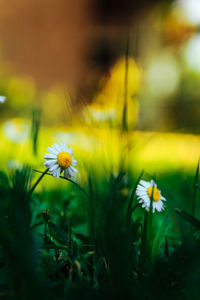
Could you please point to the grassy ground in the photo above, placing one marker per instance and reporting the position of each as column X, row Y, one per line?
column 93, row 241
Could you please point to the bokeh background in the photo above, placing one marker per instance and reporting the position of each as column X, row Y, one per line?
column 66, row 68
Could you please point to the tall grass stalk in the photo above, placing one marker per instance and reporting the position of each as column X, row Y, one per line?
column 195, row 189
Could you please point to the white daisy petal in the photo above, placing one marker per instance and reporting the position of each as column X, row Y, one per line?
column 73, row 169
column 140, row 193
column 143, row 194
column 153, row 183
column 70, row 172
column 50, row 163
column 144, row 183
column 57, row 147
column 50, row 156
column 54, row 173
column 70, row 151
column 163, row 198
column 159, row 206
column 65, row 147
column 62, row 148
column 53, row 151
column 74, row 162
column 141, row 189
column 54, row 167
column 58, row 172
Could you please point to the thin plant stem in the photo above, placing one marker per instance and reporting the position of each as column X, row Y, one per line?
column 68, row 179
column 36, row 183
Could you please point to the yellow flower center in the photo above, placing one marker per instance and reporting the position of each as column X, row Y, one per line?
column 155, row 191
column 64, row 159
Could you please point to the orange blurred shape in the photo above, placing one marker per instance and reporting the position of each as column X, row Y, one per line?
column 177, row 30
column 46, row 40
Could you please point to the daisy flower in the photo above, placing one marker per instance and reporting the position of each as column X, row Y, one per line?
column 2, row 99
column 16, row 130
column 144, row 192
column 60, row 158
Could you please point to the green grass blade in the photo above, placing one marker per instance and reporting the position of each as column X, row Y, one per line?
column 196, row 186
column 188, row 217
column 125, row 106
column 129, row 209
column 36, row 120
column 166, row 247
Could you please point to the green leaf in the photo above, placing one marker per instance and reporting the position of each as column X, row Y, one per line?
column 58, row 233
column 119, row 178
column 188, row 217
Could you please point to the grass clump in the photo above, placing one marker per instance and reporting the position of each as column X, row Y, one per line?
column 106, row 246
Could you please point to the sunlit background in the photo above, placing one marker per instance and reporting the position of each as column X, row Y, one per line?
column 66, row 71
